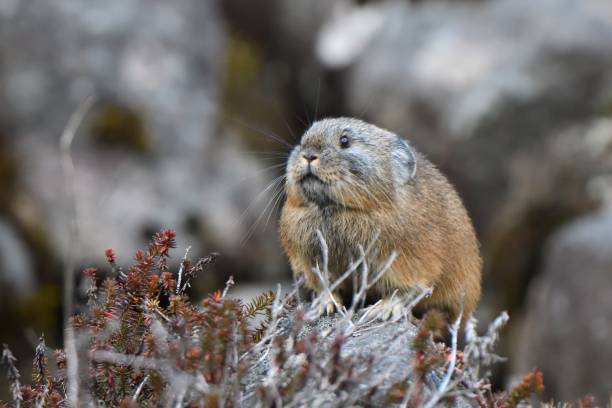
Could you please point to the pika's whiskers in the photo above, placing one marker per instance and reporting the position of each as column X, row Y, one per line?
column 269, row 135
column 276, row 192
column 273, row 184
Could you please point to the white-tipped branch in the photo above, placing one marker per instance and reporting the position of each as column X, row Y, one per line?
column 444, row 384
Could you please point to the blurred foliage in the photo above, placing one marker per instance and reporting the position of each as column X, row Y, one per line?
column 8, row 173
column 20, row 209
column 515, row 251
column 243, row 66
column 606, row 109
column 22, row 319
column 118, row 125
column 250, row 95
column 41, row 312
column 43, row 309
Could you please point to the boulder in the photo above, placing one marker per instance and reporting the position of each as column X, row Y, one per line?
column 150, row 154
column 476, row 85
column 485, row 89
column 567, row 326
column 491, row 92
column 16, row 268
column 353, row 365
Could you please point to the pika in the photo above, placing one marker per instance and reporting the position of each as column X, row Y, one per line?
column 361, row 185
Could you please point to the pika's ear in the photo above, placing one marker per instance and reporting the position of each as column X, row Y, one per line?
column 404, row 162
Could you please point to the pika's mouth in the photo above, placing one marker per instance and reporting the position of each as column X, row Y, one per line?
column 310, row 177
column 315, row 189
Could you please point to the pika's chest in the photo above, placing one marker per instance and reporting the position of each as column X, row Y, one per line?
column 342, row 233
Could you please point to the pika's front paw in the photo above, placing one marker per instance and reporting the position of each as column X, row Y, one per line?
column 329, row 304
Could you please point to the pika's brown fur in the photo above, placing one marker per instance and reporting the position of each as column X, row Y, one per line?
column 353, row 182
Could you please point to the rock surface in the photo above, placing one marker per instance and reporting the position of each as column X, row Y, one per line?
column 478, row 85
column 388, row 344
column 568, row 326
column 16, row 269
column 150, row 154
column 485, row 89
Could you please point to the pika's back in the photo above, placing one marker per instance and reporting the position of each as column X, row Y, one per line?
column 355, row 182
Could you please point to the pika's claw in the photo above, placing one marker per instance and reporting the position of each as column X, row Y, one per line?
column 388, row 309
column 330, row 307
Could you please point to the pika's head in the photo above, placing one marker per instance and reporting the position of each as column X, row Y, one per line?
column 349, row 163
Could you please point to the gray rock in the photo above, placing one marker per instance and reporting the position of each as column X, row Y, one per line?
column 568, row 322
column 500, row 95
column 567, row 176
column 477, row 84
column 159, row 62
column 486, row 89
column 16, row 269
column 379, row 353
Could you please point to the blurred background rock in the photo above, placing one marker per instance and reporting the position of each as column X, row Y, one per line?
column 511, row 98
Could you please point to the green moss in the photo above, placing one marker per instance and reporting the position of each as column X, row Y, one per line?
column 243, row 64
column 515, row 249
column 42, row 310
column 605, row 107
column 118, row 125
column 8, row 173
column 248, row 97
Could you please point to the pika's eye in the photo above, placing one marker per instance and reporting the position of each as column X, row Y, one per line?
column 344, row 141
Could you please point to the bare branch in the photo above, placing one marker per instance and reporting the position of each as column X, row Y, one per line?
column 140, row 387
column 8, row 360
column 230, row 282
column 443, row 387
column 181, row 268
column 68, row 170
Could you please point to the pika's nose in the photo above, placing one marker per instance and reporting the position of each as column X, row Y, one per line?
column 310, row 157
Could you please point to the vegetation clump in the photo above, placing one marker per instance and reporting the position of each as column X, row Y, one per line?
column 140, row 341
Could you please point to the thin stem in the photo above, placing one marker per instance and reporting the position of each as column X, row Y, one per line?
column 68, row 170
